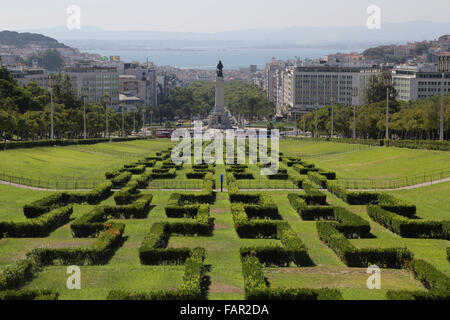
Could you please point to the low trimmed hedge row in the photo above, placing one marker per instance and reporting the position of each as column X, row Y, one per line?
column 318, row 179
column 39, row 227
column 68, row 142
column 53, row 201
column 313, row 195
column 21, row 295
column 408, row 228
column 353, row 257
column 256, row 288
column 127, row 194
column 190, row 289
column 385, row 200
column 121, row 180
column 98, row 253
column 434, row 280
column 153, row 249
column 158, row 174
column 15, row 275
column 93, row 222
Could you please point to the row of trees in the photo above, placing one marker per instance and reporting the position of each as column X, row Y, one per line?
column 412, row 120
column 197, row 100
column 25, row 112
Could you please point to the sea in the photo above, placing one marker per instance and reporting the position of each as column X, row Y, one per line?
column 207, row 58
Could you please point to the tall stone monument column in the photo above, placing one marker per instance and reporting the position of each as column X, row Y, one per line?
column 220, row 117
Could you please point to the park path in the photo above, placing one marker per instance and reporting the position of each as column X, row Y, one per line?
column 420, row 185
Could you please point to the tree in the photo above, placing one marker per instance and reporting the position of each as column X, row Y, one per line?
column 50, row 59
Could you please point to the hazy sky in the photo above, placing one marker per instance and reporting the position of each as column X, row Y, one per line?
column 213, row 15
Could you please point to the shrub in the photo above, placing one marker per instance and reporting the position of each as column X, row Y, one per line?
column 318, row 179
column 120, row 180
column 313, row 195
column 43, row 294
column 448, row 254
column 37, row 227
column 15, row 275
column 434, row 280
column 351, row 225
column 392, row 204
column 97, row 253
column 163, row 174
column 353, row 257
column 144, row 180
column 128, row 194
column 408, row 228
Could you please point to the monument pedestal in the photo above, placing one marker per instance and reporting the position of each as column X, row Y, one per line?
column 220, row 117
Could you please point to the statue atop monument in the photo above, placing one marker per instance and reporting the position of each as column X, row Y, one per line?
column 220, row 69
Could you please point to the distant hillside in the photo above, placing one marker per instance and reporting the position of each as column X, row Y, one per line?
column 13, row 38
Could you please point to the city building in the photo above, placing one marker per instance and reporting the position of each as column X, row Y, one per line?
column 25, row 75
column 311, row 87
column 419, row 82
column 145, row 73
column 94, row 81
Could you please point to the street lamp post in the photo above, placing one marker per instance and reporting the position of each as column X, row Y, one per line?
column 84, row 117
column 355, row 94
column 333, row 101
column 51, row 85
column 143, row 122
column 387, row 81
column 443, row 64
column 317, row 122
column 105, row 100
column 123, row 121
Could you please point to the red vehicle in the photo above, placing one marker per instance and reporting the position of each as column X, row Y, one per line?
column 163, row 133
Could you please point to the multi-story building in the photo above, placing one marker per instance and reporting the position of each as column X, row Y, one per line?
column 419, row 82
column 270, row 81
column 26, row 75
column 147, row 75
column 317, row 86
column 95, row 81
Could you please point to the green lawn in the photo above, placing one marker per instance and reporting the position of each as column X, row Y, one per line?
column 84, row 162
column 355, row 161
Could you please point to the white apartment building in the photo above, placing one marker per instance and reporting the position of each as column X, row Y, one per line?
column 270, row 78
column 317, row 86
column 95, row 81
column 419, row 82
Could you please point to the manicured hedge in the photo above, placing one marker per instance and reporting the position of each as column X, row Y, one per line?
column 256, row 288
column 313, row 195
column 39, row 227
column 310, row 212
column 21, row 295
column 190, row 289
column 153, row 249
column 93, row 222
column 144, row 180
column 15, row 275
column 390, row 203
column 98, row 253
column 127, row 194
column 55, row 200
column 434, row 280
column 353, row 198
column 122, row 179
column 350, row 224
column 353, row 257
column 409, row 228
column 448, row 254
column 318, row 179
column 163, row 174
column 68, row 142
